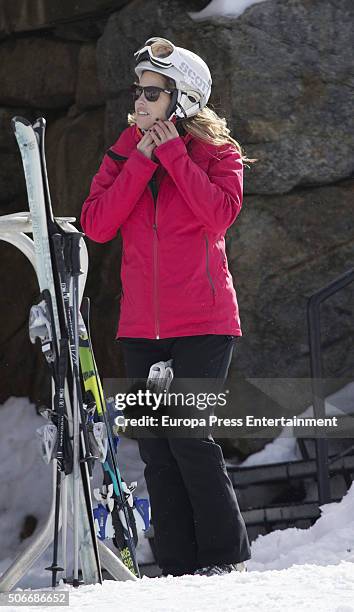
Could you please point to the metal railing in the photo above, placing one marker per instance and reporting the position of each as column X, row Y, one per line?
column 316, row 366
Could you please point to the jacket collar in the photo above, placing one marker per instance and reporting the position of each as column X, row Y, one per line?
column 129, row 138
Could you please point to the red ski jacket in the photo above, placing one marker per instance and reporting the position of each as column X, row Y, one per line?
column 173, row 214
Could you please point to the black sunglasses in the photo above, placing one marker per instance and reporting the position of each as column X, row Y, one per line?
column 151, row 92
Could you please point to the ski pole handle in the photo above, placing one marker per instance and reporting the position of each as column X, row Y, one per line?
column 58, row 244
column 74, row 239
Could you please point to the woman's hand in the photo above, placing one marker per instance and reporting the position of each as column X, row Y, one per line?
column 146, row 145
column 162, row 131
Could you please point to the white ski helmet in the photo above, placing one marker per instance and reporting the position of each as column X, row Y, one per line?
column 190, row 73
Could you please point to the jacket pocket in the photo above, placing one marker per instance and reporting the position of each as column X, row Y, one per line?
column 121, row 296
column 209, row 277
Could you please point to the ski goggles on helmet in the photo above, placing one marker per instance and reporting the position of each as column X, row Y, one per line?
column 154, row 50
column 151, row 92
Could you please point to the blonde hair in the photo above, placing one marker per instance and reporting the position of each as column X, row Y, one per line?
column 206, row 124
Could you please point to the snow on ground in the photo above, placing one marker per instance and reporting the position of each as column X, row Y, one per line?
column 307, row 587
column 329, row 541
column 223, row 8
column 25, row 480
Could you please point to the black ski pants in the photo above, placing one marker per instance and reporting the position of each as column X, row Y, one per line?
column 194, row 509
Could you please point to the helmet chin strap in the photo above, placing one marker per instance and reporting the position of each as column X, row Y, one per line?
column 176, row 109
column 172, row 107
column 182, row 111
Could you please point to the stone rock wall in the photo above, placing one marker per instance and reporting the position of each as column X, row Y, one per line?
column 283, row 77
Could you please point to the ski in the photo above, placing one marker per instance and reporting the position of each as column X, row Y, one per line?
column 58, row 345
column 117, row 505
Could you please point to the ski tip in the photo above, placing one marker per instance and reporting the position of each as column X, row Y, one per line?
column 17, row 119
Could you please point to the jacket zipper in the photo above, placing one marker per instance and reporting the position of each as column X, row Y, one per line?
column 207, row 268
column 118, row 157
column 154, row 191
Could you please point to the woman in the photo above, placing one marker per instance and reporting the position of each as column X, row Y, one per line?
column 172, row 184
